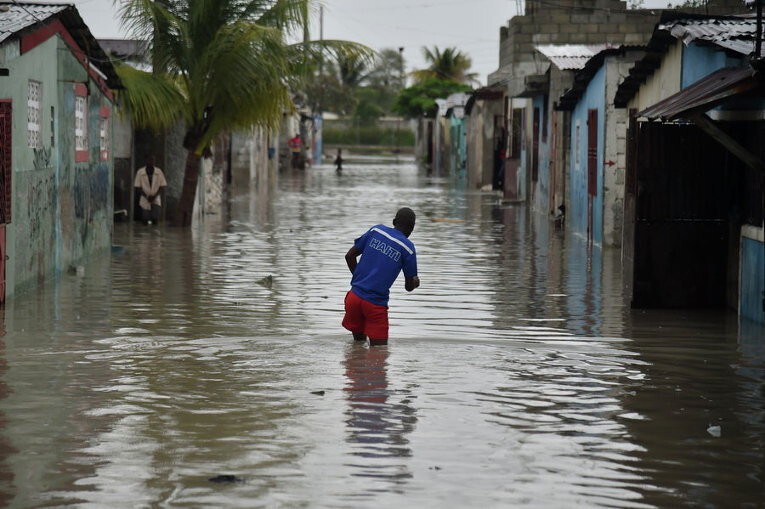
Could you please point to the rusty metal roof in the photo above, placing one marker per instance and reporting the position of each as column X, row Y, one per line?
column 19, row 17
column 704, row 95
column 570, row 57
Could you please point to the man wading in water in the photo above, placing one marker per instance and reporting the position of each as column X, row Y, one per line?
column 384, row 252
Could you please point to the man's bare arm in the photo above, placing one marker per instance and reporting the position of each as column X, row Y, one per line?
column 350, row 258
column 411, row 283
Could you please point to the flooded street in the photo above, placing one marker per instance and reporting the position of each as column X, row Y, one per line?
column 177, row 373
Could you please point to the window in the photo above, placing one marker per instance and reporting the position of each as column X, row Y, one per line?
column 34, row 120
column 105, row 135
column 80, row 123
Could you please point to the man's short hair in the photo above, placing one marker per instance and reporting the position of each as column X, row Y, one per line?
column 404, row 217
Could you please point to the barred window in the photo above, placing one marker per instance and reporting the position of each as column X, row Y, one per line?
column 34, row 115
column 81, row 153
column 81, row 123
column 105, row 135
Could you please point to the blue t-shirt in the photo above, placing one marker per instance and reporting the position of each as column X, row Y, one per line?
column 385, row 252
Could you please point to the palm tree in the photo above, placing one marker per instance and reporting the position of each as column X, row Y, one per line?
column 449, row 64
column 218, row 65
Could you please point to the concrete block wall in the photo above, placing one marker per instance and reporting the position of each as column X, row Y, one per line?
column 584, row 22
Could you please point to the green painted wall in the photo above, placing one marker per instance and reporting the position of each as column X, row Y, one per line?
column 62, row 210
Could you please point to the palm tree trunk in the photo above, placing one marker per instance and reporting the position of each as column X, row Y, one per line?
column 189, row 192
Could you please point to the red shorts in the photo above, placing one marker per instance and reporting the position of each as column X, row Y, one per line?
column 363, row 317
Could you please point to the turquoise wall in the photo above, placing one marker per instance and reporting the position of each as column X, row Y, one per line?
column 62, row 212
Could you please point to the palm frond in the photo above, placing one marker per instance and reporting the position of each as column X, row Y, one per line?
column 153, row 102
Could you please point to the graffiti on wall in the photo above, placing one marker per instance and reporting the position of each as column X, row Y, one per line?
column 40, row 203
column 91, row 196
column 42, row 158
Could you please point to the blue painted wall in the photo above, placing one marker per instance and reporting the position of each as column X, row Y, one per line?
column 576, row 209
column 752, row 280
column 701, row 61
column 62, row 210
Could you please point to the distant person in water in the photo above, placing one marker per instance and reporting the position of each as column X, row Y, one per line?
column 150, row 186
column 339, row 161
column 385, row 252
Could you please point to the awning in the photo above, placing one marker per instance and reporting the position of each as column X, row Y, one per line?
column 704, row 95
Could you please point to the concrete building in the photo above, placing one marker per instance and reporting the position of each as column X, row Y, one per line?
column 56, row 171
column 597, row 149
column 695, row 172
column 524, row 72
column 486, row 131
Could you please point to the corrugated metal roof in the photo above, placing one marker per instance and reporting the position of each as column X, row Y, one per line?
column 704, row 95
column 19, row 16
column 735, row 34
column 16, row 17
column 454, row 102
column 568, row 57
column 582, row 78
column 732, row 33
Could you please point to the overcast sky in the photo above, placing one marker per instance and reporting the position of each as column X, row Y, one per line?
column 470, row 26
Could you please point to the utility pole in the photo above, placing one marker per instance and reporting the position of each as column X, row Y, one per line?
column 318, row 118
column 402, row 85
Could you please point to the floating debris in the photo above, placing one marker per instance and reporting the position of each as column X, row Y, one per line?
column 225, row 479
column 715, row 431
column 318, row 393
column 267, row 281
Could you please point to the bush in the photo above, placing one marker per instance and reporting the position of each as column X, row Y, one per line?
column 368, row 136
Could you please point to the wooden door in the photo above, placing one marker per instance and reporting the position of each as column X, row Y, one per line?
column 592, row 168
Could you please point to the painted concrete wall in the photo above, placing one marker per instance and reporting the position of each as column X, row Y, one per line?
column 752, row 267
column 480, row 142
column 614, row 163
column 250, row 163
column 523, row 175
column 458, row 147
column 62, row 211
column 577, row 211
column 542, row 188
column 662, row 83
column 85, row 190
column 701, row 61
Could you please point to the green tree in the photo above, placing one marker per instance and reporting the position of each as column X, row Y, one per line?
column 419, row 100
column 388, row 70
column 218, row 65
column 449, row 64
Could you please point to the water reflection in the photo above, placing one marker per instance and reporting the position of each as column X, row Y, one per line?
column 693, row 381
column 516, row 375
column 6, row 449
column 377, row 427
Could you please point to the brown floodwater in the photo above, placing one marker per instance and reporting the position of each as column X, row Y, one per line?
column 176, row 372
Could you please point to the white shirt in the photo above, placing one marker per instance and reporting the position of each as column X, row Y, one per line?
column 142, row 182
